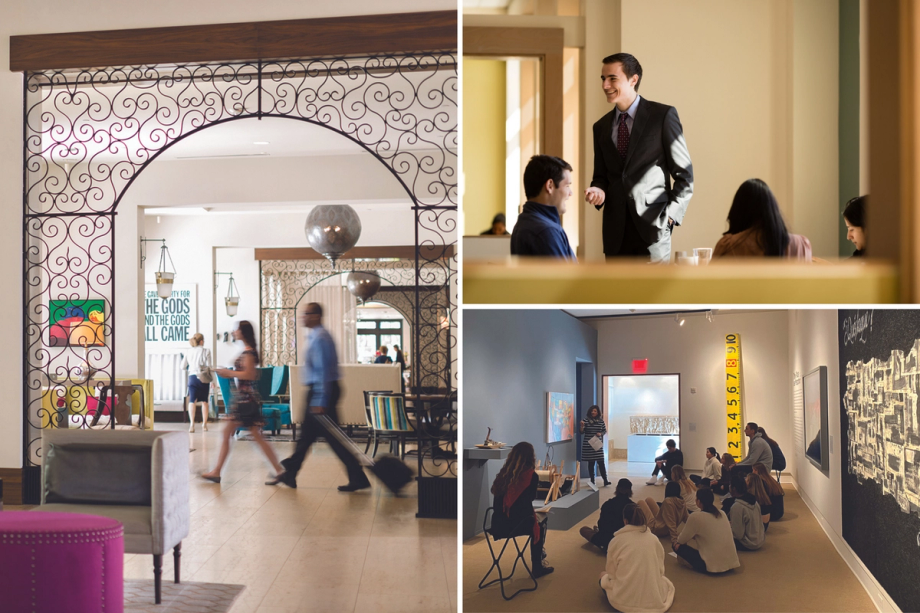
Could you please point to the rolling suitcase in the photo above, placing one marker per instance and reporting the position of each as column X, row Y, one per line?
column 392, row 471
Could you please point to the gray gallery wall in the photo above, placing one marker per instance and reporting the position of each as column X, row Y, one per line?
column 511, row 358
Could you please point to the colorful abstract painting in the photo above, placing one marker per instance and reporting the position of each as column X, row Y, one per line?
column 77, row 323
column 560, row 417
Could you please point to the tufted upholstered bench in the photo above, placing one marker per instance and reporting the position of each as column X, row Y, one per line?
column 53, row 562
column 139, row 478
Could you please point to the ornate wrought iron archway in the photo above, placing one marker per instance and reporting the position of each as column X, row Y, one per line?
column 89, row 133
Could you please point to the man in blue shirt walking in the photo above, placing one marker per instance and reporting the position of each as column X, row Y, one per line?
column 538, row 231
column 321, row 375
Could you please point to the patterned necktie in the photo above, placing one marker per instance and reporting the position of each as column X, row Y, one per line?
column 623, row 136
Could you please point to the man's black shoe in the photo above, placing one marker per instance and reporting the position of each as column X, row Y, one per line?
column 354, row 487
column 288, row 478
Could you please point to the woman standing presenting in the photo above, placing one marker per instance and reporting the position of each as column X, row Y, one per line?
column 593, row 427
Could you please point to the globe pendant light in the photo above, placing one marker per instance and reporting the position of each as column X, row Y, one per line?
column 363, row 284
column 332, row 229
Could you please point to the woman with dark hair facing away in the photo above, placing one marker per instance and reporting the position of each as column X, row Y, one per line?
column 706, row 541
column 514, row 488
column 721, row 487
column 745, row 517
column 854, row 216
column 668, row 519
column 593, row 427
column 779, row 458
column 756, row 227
column 634, row 578
column 774, row 491
column 611, row 518
column 712, row 470
column 756, row 488
column 246, row 409
column 687, row 489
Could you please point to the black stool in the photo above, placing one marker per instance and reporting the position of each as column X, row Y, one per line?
column 512, row 537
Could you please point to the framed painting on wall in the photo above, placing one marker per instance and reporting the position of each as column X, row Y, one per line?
column 814, row 386
column 560, row 417
column 76, row 323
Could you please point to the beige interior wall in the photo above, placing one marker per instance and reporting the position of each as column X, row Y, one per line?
column 483, row 133
column 816, row 193
column 571, row 139
column 728, row 67
column 602, row 37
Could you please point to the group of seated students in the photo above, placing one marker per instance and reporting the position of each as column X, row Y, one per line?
column 705, row 536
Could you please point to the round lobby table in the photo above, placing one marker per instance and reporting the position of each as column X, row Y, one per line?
column 51, row 562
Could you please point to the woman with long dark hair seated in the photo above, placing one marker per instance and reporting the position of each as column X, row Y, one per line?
column 515, row 488
column 756, row 227
column 721, row 487
column 706, row 542
column 854, row 216
column 669, row 518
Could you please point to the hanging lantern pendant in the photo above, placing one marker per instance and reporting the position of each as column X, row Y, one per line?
column 232, row 301
column 164, row 278
column 332, row 229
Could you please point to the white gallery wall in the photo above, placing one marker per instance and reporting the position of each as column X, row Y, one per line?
column 696, row 350
column 49, row 16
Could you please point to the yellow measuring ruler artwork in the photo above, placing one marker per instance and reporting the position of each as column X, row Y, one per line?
column 734, row 427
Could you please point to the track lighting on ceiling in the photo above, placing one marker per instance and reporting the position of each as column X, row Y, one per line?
column 679, row 319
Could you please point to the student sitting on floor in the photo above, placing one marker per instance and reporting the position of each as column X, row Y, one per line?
column 722, row 486
column 687, row 489
column 745, row 516
column 756, row 488
column 515, row 487
column 712, row 471
column 706, row 542
column 664, row 462
column 774, row 490
column 668, row 520
column 611, row 518
column 634, row 579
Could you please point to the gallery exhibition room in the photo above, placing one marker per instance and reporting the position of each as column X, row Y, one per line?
column 238, row 238
column 834, row 394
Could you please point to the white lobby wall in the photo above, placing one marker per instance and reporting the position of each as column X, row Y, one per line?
column 738, row 73
column 696, row 350
column 48, row 16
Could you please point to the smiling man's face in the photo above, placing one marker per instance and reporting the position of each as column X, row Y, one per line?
column 619, row 89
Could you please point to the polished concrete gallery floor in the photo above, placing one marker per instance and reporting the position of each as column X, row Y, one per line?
column 797, row 569
column 309, row 549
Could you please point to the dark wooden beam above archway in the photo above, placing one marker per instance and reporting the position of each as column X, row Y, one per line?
column 300, row 38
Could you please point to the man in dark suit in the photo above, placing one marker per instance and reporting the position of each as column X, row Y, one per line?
column 643, row 177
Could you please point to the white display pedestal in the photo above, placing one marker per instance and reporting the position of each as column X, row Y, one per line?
column 647, row 447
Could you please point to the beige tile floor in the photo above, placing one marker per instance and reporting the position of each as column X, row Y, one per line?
column 313, row 548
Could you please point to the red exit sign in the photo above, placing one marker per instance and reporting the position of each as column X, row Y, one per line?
column 640, row 367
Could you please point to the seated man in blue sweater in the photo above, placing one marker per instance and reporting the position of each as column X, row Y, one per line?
column 538, row 231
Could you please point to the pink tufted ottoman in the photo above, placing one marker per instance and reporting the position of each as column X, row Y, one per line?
column 52, row 562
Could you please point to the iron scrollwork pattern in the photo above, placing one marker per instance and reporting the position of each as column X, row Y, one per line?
column 89, row 133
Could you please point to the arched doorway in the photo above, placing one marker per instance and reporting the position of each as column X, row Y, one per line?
column 90, row 133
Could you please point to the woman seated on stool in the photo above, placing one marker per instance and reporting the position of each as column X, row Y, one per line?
column 515, row 488
column 687, row 489
column 706, row 541
column 774, row 490
column 712, row 471
column 756, row 227
column 667, row 520
column 634, row 579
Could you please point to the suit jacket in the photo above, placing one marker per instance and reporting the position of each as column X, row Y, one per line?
column 641, row 187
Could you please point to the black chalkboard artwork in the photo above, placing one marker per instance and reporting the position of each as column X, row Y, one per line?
column 880, row 452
